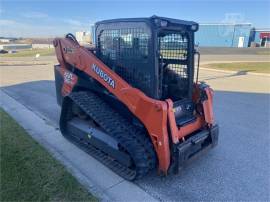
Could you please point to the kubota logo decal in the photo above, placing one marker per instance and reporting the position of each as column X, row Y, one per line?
column 103, row 75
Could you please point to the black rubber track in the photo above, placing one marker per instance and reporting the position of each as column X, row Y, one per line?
column 133, row 139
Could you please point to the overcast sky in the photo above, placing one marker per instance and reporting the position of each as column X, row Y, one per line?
column 51, row 18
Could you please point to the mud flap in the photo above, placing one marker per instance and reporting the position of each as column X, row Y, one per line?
column 59, row 81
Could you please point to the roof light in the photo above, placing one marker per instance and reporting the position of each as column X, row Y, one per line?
column 194, row 27
column 163, row 23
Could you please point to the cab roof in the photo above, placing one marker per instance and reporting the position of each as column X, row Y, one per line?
column 152, row 19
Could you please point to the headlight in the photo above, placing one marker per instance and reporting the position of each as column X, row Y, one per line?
column 194, row 27
column 163, row 23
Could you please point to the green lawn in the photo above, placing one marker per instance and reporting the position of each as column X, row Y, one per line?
column 30, row 53
column 258, row 67
column 29, row 172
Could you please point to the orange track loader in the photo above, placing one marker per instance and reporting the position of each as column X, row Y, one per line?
column 131, row 101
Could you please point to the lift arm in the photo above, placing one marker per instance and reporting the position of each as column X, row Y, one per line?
column 152, row 113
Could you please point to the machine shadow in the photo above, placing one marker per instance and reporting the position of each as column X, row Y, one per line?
column 239, row 73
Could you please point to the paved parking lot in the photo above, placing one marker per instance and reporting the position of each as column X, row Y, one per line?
column 238, row 169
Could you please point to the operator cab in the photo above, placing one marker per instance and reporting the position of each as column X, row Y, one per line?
column 155, row 55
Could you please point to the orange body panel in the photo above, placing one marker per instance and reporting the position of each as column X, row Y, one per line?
column 208, row 107
column 172, row 122
column 178, row 133
column 183, row 131
column 154, row 114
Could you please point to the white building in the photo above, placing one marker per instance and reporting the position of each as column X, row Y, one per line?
column 42, row 46
column 6, row 40
column 83, row 37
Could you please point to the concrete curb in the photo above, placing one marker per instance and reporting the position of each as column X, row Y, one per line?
column 234, row 72
column 97, row 178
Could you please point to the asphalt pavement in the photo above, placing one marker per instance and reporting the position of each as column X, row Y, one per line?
column 237, row 169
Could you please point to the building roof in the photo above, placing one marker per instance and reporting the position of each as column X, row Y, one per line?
column 262, row 29
column 244, row 23
column 154, row 17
